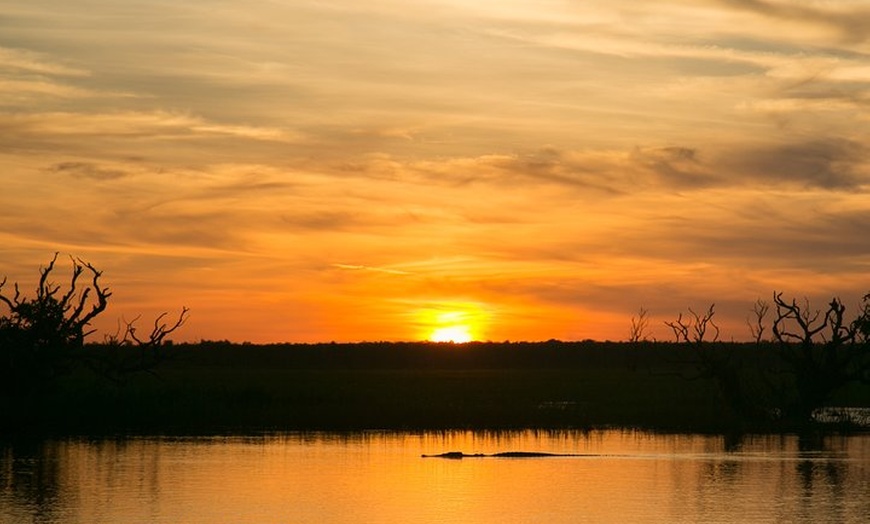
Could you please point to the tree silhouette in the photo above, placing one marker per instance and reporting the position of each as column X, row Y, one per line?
column 756, row 321
column 810, row 356
column 712, row 360
column 822, row 351
column 639, row 330
column 43, row 338
column 130, row 352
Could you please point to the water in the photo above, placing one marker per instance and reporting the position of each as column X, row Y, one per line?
column 381, row 478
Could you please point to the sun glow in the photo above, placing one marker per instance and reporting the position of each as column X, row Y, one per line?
column 452, row 322
column 457, row 334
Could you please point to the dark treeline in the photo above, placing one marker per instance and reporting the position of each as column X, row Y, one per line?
column 643, row 357
column 801, row 361
column 419, row 355
column 219, row 387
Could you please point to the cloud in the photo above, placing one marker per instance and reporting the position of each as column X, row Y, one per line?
column 747, row 230
column 830, row 164
column 23, row 60
column 675, row 167
column 834, row 164
column 356, row 267
column 581, row 169
column 29, row 89
column 325, row 221
column 88, row 170
column 168, row 140
column 852, row 23
column 592, row 170
column 153, row 125
column 27, row 77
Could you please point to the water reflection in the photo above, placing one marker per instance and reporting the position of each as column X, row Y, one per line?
column 381, row 477
column 30, row 479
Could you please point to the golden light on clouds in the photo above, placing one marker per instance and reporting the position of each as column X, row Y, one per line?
column 336, row 170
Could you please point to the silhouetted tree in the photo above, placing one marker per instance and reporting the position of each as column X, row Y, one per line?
column 694, row 327
column 43, row 338
column 639, row 331
column 714, row 361
column 823, row 351
column 756, row 321
column 123, row 354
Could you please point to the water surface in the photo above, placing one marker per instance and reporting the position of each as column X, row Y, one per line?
column 381, row 477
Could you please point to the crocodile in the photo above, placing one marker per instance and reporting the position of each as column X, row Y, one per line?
column 503, row 454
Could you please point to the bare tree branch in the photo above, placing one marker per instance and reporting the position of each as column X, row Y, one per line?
column 756, row 321
column 694, row 330
column 639, row 327
column 43, row 337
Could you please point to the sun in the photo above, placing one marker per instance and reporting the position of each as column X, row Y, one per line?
column 452, row 321
column 455, row 334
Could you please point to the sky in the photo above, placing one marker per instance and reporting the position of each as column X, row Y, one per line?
column 336, row 170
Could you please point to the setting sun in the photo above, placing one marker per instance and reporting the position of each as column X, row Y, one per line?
column 452, row 321
column 457, row 334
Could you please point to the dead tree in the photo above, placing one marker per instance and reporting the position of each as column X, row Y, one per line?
column 694, row 328
column 712, row 361
column 823, row 351
column 639, row 331
column 129, row 352
column 43, row 338
column 756, row 321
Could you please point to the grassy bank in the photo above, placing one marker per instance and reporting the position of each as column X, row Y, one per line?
column 213, row 388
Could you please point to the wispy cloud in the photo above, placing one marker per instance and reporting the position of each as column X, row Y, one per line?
column 153, row 125
column 23, row 60
column 89, row 170
column 819, row 163
column 356, row 267
column 851, row 21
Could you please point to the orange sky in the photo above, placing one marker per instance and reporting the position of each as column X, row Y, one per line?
column 339, row 170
